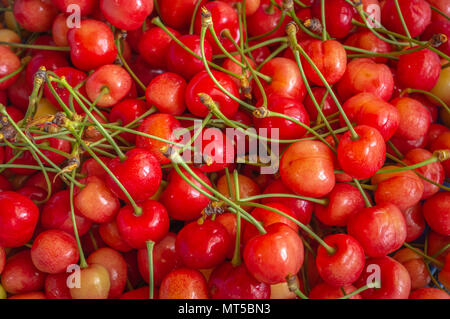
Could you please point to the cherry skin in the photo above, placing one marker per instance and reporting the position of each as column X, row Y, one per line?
column 338, row 16
column 166, row 92
column 50, row 60
column 230, row 282
column 436, row 211
column 92, row 168
column 55, row 286
column 363, row 157
column 35, row 15
column 20, row 275
column 178, row 13
column 126, row 112
column 202, row 83
column 329, row 106
column 53, row 251
column 140, row 293
column 2, row 259
column 344, row 201
column 154, row 46
column 94, row 283
column 442, row 142
column 202, row 246
column 272, row 256
column 442, row 5
column 368, row 41
column 140, row 174
column 368, row 109
column 18, row 90
column 126, row 14
column 264, row 20
column 18, row 219
column 429, row 293
column 165, row 259
column 182, row 62
column 38, row 180
column 135, row 230
column 438, row 27
column 29, row 295
column 86, row 7
column 326, row 291
column 116, row 266
column 364, row 75
column 184, row 283
column 395, row 280
column 416, row 13
column 183, row 202
column 247, row 188
column 379, row 229
column 306, row 168
column 414, row 118
column 5, row 184
column 59, row 30
column 111, row 236
column 91, row 45
column 415, row 222
column 415, row 266
column 9, row 63
column 436, row 242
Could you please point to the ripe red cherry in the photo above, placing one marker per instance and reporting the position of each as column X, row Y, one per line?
column 419, row 70
column 438, row 27
column 436, row 211
column 416, row 13
column 18, row 219
column 55, row 286
column 273, row 256
column 369, row 109
column 379, row 229
column 165, row 259
column 110, row 235
column 415, row 223
column 178, row 13
column 436, row 243
column 154, row 46
column 364, row 75
column 53, row 251
column 329, row 106
column 152, row 224
column 414, row 118
column 338, row 16
column 363, row 157
column 307, row 168
column 182, row 62
column 91, row 45
column 126, row 112
column 38, row 180
column 247, row 188
column 183, row 202
column 184, row 283
column 286, row 129
column 140, row 174
column 5, row 184
column 86, row 7
column 368, row 41
column 166, row 92
column 59, row 30
column 395, row 280
column 345, row 265
column 126, row 14
column 202, row 83
column 325, row 291
column 344, row 201
column 415, row 266
column 9, row 63
column 18, row 91
column 268, row 217
column 34, row 193
column 264, row 20
column 202, row 246
column 442, row 5
column 35, row 15
column 429, row 293
column 50, row 60
column 235, row 282
column 92, row 168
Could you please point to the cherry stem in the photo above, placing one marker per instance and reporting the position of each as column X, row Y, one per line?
column 34, row 98
column 322, row 16
column 236, row 261
column 150, row 245
column 363, row 193
column 440, row 251
column 124, row 62
column 63, row 105
column 427, row 267
column 440, row 12
column 280, row 22
column 34, row 46
column 93, row 241
column 194, row 15
column 254, row 47
column 323, row 201
column 15, row 72
column 424, row 255
column 433, row 96
column 357, row 291
column 402, row 20
column 438, row 156
column 291, row 281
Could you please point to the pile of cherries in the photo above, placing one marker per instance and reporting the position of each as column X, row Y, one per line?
column 98, row 200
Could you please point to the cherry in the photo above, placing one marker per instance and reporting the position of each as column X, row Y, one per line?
column 414, row 118
column 235, row 282
column 152, row 224
column 306, row 168
column 166, row 92
column 20, row 275
column 281, row 290
column 286, row 128
column 379, row 229
column 182, row 62
column 436, row 242
column 178, row 13
column 116, row 266
column 55, row 286
column 247, row 188
column 419, row 70
column 442, row 142
column 154, row 45
column 9, row 63
column 436, row 211
column 368, row 41
column 140, row 174
column 38, row 180
column 86, row 7
column 365, row 75
column 126, row 112
column 444, row 275
column 204, row 245
column 265, row 18
column 35, row 15
column 18, row 219
column 202, row 83
column 110, row 235
column 7, row 35
column 140, row 293
column 415, row 222
column 59, row 30
column 232, row 66
column 344, row 201
column 2, row 259
column 5, row 184
column 415, row 266
column 126, row 14
column 416, row 13
column 3, row 97
column 368, row 109
column 442, row 5
column 259, row 54
column 18, row 91
column 50, row 60
column 361, row 158
column 272, row 256
column 161, row 125
column 229, row 221
column 29, row 295
column 326, row 291
column 438, row 27
column 329, row 106
column 338, row 16
column 429, row 293
column 184, row 283
column 91, row 45
column 96, row 201
column 395, row 280
column 183, row 202
column 165, row 259
column 94, row 283
column 53, row 251
column 92, row 168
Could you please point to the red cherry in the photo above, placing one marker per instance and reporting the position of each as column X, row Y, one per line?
column 86, row 7
column 247, row 188
column 18, row 91
column 178, row 13
column 436, row 211
column 55, row 286
column 126, row 14
column 415, row 223
column 2, row 259
column 202, row 246
column 184, row 283
column 416, row 13
column 325, row 291
column 379, row 229
column 9, row 63
column 50, row 60
column 110, row 235
column 264, row 20
column 38, row 180
column 273, row 256
column 368, row 41
column 329, row 106
column 442, row 142
column 414, row 118
column 140, row 174
column 35, row 15
column 438, row 27
column 59, row 30
column 415, row 266
column 166, row 92
column 126, row 112
column 429, row 293
column 5, row 184
column 442, row 5
column 338, row 16
column 135, row 230
column 140, row 293
column 268, row 217
column 18, row 219
column 154, row 45
column 92, row 168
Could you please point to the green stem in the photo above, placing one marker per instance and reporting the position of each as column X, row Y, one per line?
column 150, row 245
column 354, row 293
column 236, row 261
column 424, row 255
column 319, row 201
column 402, row 20
column 34, row 46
